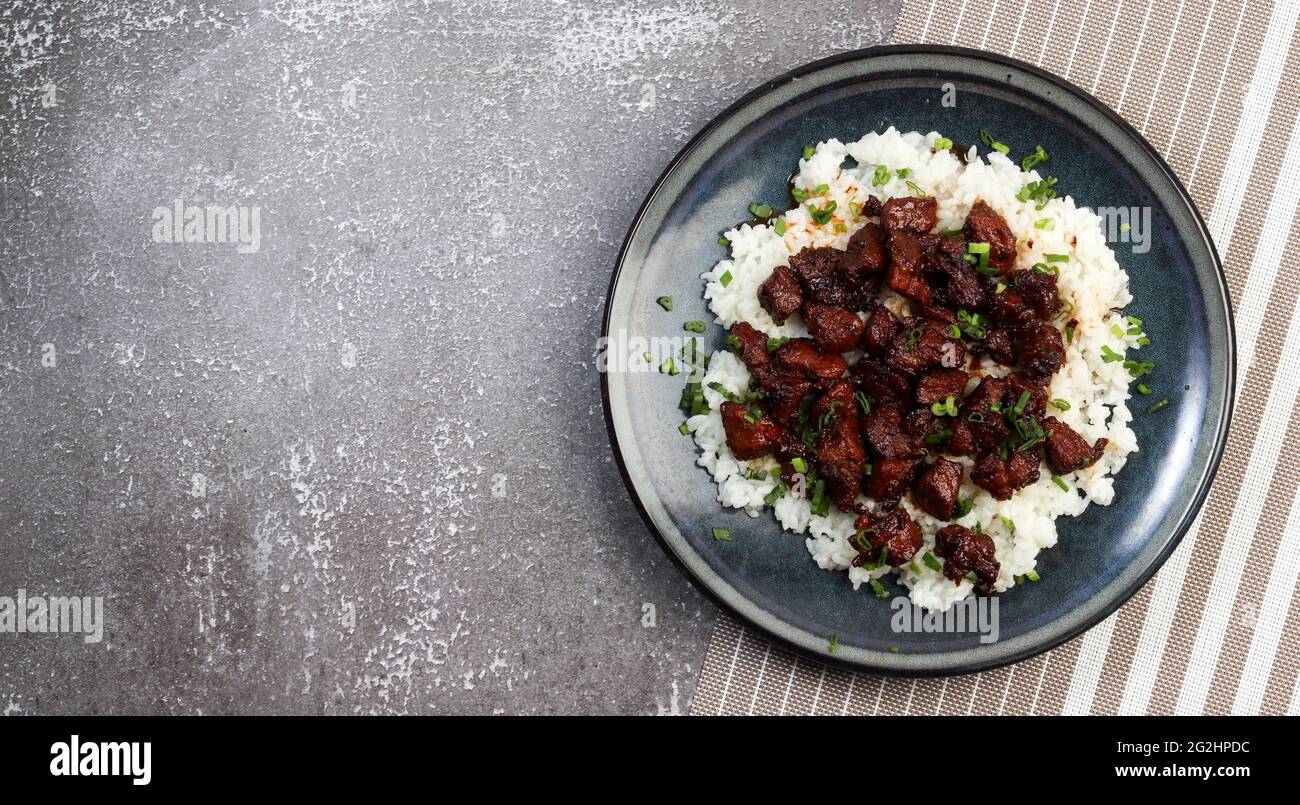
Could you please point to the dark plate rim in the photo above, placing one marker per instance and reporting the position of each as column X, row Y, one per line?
column 1220, row 436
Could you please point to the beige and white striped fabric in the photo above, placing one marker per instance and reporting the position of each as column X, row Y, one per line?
column 1215, row 86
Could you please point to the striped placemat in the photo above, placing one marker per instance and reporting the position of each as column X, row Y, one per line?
column 1215, row 86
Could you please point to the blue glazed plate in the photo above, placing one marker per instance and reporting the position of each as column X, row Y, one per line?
column 765, row 576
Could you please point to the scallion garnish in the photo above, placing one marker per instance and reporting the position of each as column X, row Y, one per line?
column 665, row 302
column 942, row 143
column 962, row 508
column 772, row 497
column 695, row 326
column 931, row 562
column 1061, row 405
column 760, row 210
column 808, row 151
column 988, row 140
column 1009, row 524
column 863, row 402
column 1045, row 224
column 1109, row 355
column 821, row 216
column 916, row 189
column 727, row 394
column 1144, row 389
column 1158, row 406
column 669, row 367
column 937, row 438
column 1057, row 258
column 1059, row 481
column 724, row 280
column 881, row 177
column 879, row 589
column 799, row 464
column 721, row 535
column 773, row 344
column 1038, row 157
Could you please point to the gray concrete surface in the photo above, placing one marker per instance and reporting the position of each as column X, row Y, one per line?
column 363, row 468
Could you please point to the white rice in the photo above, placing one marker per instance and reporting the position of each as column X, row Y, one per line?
column 1097, row 390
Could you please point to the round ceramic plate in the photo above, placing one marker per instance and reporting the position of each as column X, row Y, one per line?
column 765, row 576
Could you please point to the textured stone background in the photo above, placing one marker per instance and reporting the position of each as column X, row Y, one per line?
column 238, row 449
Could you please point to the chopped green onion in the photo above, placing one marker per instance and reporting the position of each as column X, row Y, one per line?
column 1109, row 355
column 1158, row 406
column 977, row 248
column 946, row 408
column 725, row 280
column 779, row 227
column 951, row 233
column 1039, row 156
column 696, row 326
column 834, row 643
column 683, row 430
column 1069, row 333
column 863, row 402
column 821, row 189
column 1045, row 268
column 879, row 589
column 823, row 215
column 799, row 464
column 760, row 210
column 1032, row 576
column 1144, row 389
column 881, row 177
column 913, row 337
column 903, row 172
column 1061, row 405
column 1057, row 258
column 727, row 394
column 1009, row 524
column 1045, row 223
column 1117, row 331
column 721, row 535
column 962, row 508
column 937, row 438
column 800, row 195
column 669, row 367
column 1139, row 368
column 1001, row 286
column 820, row 504
column 893, row 649
column 1059, row 481
column 942, row 143
column 808, row 151
column 954, row 331
column 733, row 342
column 931, row 562
column 1038, row 191
column 988, row 140
column 772, row 497
column 1133, row 320
column 665, row 302
column 916, row 189
column 773, row 344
